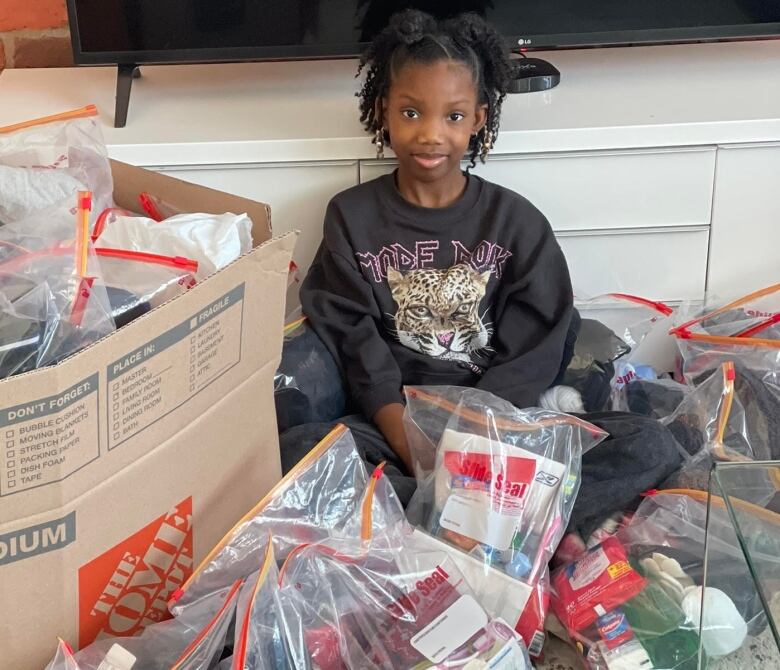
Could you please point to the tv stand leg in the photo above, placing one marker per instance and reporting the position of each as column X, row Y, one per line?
column 124, row 81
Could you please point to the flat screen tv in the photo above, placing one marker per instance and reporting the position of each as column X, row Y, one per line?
column 129, row 33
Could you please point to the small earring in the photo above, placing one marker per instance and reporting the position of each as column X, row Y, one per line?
column 379, row 140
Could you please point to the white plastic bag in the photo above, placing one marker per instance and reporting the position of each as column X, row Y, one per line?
column 71, row 144
column 213, row 240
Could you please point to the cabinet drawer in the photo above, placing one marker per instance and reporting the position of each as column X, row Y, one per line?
column 661, row 265
column 605, row 190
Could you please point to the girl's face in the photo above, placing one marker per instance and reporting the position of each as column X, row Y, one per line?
column 431, row 112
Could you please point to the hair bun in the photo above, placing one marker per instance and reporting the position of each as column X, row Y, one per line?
column 470, row 28
column 412, row 25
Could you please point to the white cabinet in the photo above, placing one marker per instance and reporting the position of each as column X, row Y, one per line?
column 297, row 192
column 632, row 221
column 745, row 220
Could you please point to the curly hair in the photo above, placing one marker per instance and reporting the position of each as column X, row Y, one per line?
column 414, row 36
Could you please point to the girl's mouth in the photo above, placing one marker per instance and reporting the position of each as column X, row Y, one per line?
column 429, row 161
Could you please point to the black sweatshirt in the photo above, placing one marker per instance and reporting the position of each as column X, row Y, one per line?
column 474, row 294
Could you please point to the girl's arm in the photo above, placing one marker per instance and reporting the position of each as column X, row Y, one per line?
column 342, row 309
column 532, row 317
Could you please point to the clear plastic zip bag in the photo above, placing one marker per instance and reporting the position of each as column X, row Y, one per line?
column 328, row 493
column 711, row 426
column 52, row 301
column 387, row 603
column 44, row 162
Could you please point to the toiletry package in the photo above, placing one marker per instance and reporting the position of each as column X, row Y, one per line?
column 497, row 485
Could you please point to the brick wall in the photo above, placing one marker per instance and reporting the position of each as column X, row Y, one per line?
column 34, row 33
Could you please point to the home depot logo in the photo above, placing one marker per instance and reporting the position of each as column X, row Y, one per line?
column 127, row 588
column 38, row 539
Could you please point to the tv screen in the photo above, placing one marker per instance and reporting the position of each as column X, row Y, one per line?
column 165, row 31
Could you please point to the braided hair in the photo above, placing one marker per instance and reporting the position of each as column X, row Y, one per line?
column 414, row 36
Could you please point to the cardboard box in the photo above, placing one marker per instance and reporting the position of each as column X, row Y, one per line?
column 121, row 467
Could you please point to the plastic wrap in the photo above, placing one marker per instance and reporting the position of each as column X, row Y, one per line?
column 307, row 386
column 213, row 240
column 327, row 493
column 387, row 604
column 192, row 641
column 67, row 150
column 52, row 301
column 711, row 425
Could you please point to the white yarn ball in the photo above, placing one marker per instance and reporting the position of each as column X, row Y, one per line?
column 562, row 399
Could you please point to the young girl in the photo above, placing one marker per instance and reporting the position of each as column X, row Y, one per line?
column 431, row 275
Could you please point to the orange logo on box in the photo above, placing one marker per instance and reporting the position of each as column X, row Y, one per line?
column 127, row 588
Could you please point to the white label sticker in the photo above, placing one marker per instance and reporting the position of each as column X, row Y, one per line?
column 469, row 513
column 450, row 630
column 510, row 657
column 588, row 569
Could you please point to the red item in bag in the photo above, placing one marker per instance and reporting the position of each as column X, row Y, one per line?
column 601, row 580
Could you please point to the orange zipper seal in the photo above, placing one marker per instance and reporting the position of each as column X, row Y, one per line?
column 294, row 324
column 479, row 418
column 328, row 441
column 701, row 496
column 729, row 375
column 367, row 511
column 657, row 305
column 81, row 113
column 207, row 629
column 240, row 653
column 684, row 331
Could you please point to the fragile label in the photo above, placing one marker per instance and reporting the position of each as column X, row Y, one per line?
column 450, row 630
column 161, row 375
column 46, row 440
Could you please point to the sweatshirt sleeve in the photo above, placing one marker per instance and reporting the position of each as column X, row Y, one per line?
column 341, row 308
column 532, row 317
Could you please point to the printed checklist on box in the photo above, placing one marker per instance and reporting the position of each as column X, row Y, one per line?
column 162, row 374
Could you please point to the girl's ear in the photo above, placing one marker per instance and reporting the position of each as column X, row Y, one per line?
column 480, row 118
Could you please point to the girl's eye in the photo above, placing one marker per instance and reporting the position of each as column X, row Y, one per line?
column 457, row 116
column 410, row 114
column 420, row 311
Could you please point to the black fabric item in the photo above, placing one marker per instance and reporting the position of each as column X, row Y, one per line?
column 307, row 386
column 572, row 335
column 590, row 370
column 296, row 442
column 125, row 306
column 638, row 454
column 484, row 290
column 649, row 398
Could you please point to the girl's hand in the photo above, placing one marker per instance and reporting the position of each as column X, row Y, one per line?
column 389, row 420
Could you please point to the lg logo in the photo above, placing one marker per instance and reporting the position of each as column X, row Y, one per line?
column 522, row 41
